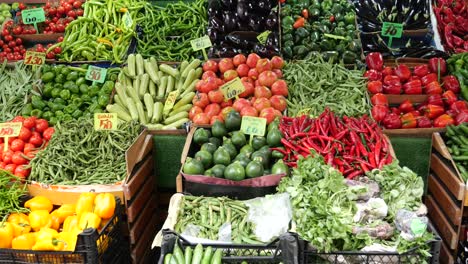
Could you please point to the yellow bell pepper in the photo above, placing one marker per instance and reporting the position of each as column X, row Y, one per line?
column 55, row 221
column 104, row 205
column 64, row 211
column 89, row 220
column 39, row 203
column 70, row 223
column 6, row 235
column 39, row 219
column 47, row 239
column 20, row 223
column 85, row 203
column 69, row 238
column 25, row 241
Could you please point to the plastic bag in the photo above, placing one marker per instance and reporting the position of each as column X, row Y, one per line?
column 374, row 209
column 410, row 224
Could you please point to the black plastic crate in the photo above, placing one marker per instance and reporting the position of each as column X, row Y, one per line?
column 285, row 249
column 355, row 257
column 106, row 246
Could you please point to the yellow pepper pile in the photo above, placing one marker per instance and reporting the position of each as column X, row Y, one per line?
column 55, row 230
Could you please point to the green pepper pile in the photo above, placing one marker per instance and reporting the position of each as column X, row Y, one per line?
column 458, row 66
column 315, row 26
column 67, row 95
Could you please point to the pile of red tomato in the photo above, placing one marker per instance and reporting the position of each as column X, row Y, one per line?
column 34, row 135
column 264, row 95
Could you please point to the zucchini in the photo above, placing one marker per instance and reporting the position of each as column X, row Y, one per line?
column 131, row 65
column 170, row 85
column 172, row 119
column 217, row 256
column 157, row 112
column 149, row 104
column 120, row 111
column 162, row 87
column 169, row 70
column 140, row 64
column 197, row 254
column 179, row 255
column 192, row 66
column 154, row 126
column 154, row 63
column 133, row 94
column 121, row 92
column 190, row 88
column 190, row 78
column 151, row 71
column 117, row 99
column 141, row 113
column 198, row 73
column 173, row 260
column 144, row 82
column 188, row 253
column 207, row 255
column 183, row 66
column 186, row 108
column 132, row 109
column 152, row 89
column 136, row 84
column 176, row 124
column 167, row 258
column 185, row 100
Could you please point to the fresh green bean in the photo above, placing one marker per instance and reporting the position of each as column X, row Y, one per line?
column 11, row 191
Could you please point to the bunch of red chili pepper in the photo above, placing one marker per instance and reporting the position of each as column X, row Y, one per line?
column 452, row 23
column 437, row 111
column 352, row 145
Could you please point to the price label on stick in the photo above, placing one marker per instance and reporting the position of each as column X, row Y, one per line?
column 170, row 101
column 96, row 74
column 34, row 58
column 254, row 126
column 233, row 88
column 105, row 121
column 201, row 44
column 33, row 16
column 262, row 38
column 10, row 129
column 391, row 30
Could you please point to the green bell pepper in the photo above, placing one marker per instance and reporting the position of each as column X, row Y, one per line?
column 103, row 100
column 27, row 110
column 77, row 114
column 38, row 103
column 287, row 22
column 60, row 78
column 53, row 120
column 65, row 94
column 72, row 76
column 47, row 115
column 55, row 92
column 80, row 81
column 36, row 112
column 59, row 113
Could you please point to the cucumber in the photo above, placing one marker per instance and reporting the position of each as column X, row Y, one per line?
column 149, row 104
column 157, row 112
column 173, row 260
column 207, row 255
column 169, row 70
column 188, row 253
column 172, row 119
column 140, row 64
column 179, row 255
column 197, row 254
column 131, row 65
column 217, row 256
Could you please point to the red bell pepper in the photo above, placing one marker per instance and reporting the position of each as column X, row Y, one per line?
column 395, row 110
column 462, row 117
column 392, row 121
column 392, row 84
column 406, row 106
column 374, row 61
column 388, row 71
column 414, row 78
column 403, row 72
column 435, row 99
column 373, row 75
column 458, row 106
column 379, row 112
column 434, row 88
column 451, row 83
column 443, row 121
column 433, row 111
column 421, row 70
column 449, row 97
column 374, row 87
column 431, row 77
column 424, row 122
column 379, row 99
column 436, row 64
column 413, row 87
column 408, row 121
column 416, row 113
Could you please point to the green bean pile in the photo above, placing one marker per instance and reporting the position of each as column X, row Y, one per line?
column 10, row 194
column 16, row 85
column 167, row 31
column 316, row 84
column 78, row 154
column 101, row 33
column 210, row 213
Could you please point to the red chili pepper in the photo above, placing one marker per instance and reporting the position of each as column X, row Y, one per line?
column 374, row 61
column 300, row 22
column 353, row 175
column 305, row 13
column 451, row 83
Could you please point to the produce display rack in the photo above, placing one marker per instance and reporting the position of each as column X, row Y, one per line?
column 447, row 199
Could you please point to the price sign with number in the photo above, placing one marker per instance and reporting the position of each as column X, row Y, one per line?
column 105, row 121
column 254, row 126
column 233, row 88
column 96, row 74
column 262, row 38
column 33, row 16
column 201, row 43
column 34, row 58
column 170, row 101
column 7, row 130
column 391, row 30
column 128, row 21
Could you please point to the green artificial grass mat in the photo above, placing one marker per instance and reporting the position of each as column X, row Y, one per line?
column 167, row 152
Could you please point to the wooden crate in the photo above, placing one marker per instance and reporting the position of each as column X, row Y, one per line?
column 447, row 199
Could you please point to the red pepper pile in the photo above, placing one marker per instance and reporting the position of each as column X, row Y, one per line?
column 34, row 135
column 452, row 23
column 437, row 111
column 352, row 145
column 422, row 79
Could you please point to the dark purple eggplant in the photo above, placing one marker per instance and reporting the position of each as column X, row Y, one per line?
column 271, row 22
column 242, row 10
column 239, row 42
column 227, row 52
column 214, row 34
column 230, row 4
column 264, row 52
column 255, row 23
column 214, row 8
column 216, row 24
column 272, row 40
column 242, row 25
column 263, row 6
column 229, row 20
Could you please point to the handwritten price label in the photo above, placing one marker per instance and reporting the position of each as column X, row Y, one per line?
column 394, row 30
column 254, row 126
column 128, row 21
column 34, row 58
column 170, row 101
column 105, row 121
column 262, row 38
column 233, row 88
column 11, row 129
column 33, row 16
column 96, row 74
column 201, row 43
